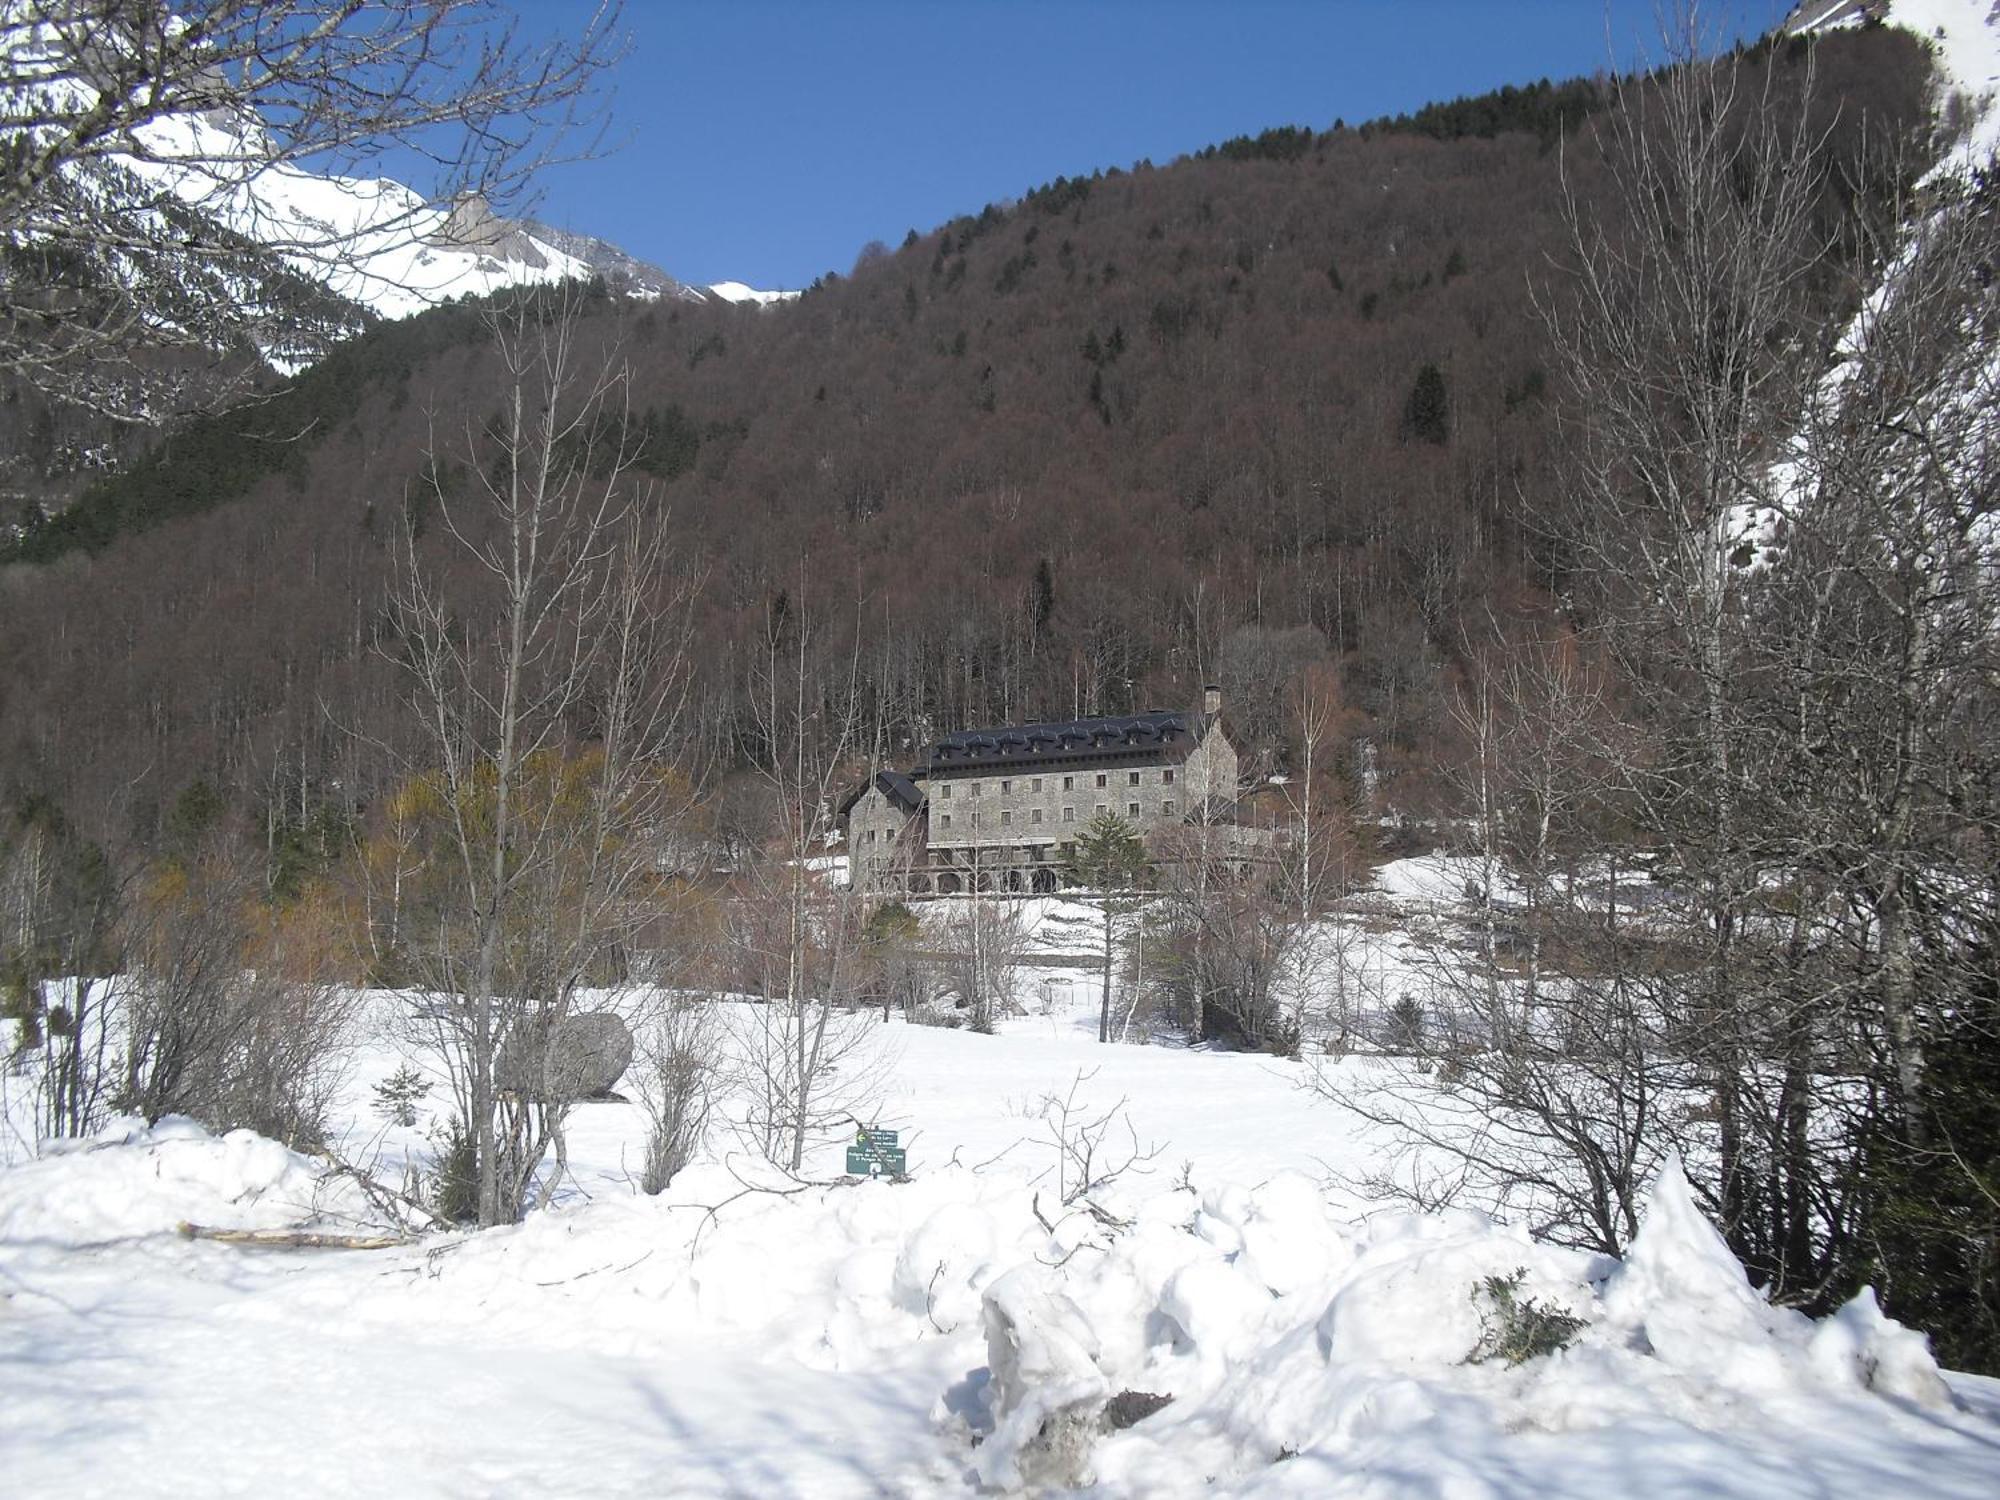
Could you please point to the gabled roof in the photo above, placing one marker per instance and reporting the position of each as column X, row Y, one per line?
column 1126, row 736
column 902, row 792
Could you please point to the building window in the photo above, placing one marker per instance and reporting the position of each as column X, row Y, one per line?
column 1167, row 808
column 1167, row 776
column 1069, row 783
column 1035, row 816
column 1102, row 809
column 1035, row 785
column 1132, row 808
column 1131, row 778
column 1100, row 779
column 1069, row 815
column 1006, row 820
column 975, row 820
column 947, row 820
column 975, row 790
column 1006, row 787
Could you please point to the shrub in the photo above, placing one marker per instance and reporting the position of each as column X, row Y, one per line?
column 1516, row 1328
column 677, row 1058
column 454, row 1178
column 1405, row 1031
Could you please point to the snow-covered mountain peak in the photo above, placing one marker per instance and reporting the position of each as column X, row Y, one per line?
column 199, row 173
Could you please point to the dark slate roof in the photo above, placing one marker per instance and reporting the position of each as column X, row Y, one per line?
column 1126, row 736
column 902, row 792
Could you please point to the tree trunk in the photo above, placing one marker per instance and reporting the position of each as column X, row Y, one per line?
column 1104, row 1003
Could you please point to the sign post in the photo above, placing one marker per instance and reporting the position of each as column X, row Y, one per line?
column 875, row 1153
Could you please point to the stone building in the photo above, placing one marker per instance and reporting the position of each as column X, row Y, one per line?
column 1000, row 809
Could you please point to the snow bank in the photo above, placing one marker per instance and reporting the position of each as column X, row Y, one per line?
column 131, row 1181
column 1379, row 1349
column 1242, row 1330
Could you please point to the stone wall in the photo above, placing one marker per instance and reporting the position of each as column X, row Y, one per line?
column 880, row 840
column 1050, row 806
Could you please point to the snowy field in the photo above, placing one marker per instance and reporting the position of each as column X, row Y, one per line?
column 845, row 1340
column 963, row 1332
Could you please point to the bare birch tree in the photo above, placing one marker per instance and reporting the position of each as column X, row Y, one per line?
column 546, row 673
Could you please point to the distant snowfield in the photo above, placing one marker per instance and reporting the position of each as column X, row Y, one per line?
column 913, row 1339
column 736, row 291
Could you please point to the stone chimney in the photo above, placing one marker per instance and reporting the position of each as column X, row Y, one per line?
column 1211, row 700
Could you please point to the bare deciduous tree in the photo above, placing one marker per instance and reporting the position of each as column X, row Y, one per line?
column 1683, row 338
column 234, row 1022
column 679, row 1047
column 800, row 930
column 546, row 673
column 985, row 937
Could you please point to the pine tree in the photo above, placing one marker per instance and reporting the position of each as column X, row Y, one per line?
column 1042, row 596
column 1427, row 412
column 1110, row 861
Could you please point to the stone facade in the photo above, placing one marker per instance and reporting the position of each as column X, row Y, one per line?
column 1001, row 809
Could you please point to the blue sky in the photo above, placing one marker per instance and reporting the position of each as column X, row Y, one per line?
column 767, row 141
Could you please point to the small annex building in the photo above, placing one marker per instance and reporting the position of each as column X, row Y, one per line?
column 999, row 809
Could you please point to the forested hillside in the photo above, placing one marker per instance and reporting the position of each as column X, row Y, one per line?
column 1284, row 401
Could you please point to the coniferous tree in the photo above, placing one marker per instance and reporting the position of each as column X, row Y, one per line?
column 1110, row 862
column 1427, row 412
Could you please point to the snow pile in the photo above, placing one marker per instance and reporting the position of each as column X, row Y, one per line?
column 964, row 1331
column 131, row 1181
column 1387, row 1349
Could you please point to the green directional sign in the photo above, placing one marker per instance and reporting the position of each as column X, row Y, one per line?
column 876, row 1154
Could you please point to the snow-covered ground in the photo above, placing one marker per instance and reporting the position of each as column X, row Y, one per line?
column 930, row 1337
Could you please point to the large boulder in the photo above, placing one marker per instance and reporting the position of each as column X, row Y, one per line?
column 580, row 1057
column 586, row 1056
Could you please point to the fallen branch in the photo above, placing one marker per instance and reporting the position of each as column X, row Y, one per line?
column 294, row 1239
